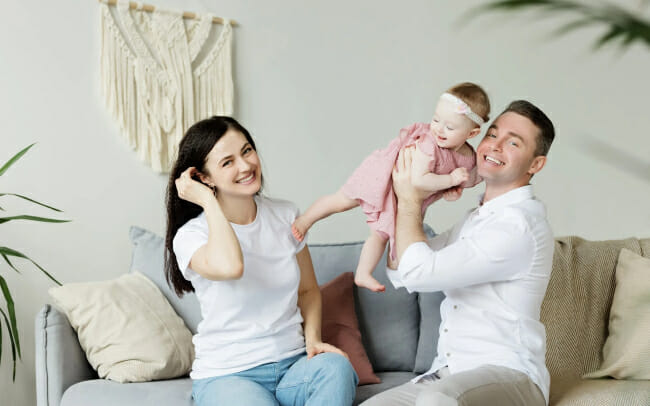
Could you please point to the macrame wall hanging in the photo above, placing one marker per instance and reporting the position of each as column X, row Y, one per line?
column 160, row 74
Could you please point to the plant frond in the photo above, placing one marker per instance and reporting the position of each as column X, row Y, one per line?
column 13, row 344
column 623, row 25
column 31, row 218
column 6, row 258
column 31, row 200
column 12, row 312
column 14, row 159
column 13, row 253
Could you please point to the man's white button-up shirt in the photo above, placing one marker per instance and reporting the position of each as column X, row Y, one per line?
column 493, row 267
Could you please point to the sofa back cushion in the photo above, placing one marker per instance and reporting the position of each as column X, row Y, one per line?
column 148, row 258
column 576, row 307
column 388, row 321
column 429, row 304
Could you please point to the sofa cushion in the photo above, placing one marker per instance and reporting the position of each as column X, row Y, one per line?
column 575, row 310
column 389, row 321
column 340, row 326
column 127, row 329
column 178, row 392
column 101, row 392
column 388, row 380
column 626, row 354
column 148, row 258
column 429, row 304
column 602, row 392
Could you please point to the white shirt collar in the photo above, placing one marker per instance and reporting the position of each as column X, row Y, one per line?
column 512, row 197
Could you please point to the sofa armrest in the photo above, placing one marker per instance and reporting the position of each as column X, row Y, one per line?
column 60, row 361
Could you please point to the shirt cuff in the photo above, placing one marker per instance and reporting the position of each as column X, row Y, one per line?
column 411, row 258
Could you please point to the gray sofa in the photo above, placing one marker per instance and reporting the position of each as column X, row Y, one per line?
column 399, row 331
column 390, row 325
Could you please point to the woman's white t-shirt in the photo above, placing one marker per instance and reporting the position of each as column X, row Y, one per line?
column 255, row 319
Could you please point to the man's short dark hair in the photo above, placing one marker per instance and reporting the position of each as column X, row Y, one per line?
column 541, row 121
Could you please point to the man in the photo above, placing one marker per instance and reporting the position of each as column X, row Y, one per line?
column 493, row 267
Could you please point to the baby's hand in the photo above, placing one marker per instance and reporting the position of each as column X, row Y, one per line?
column 459, row 175
column 452, row 194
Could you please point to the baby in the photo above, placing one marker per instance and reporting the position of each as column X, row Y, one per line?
column 443, row 160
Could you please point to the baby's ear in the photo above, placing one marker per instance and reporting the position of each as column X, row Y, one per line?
column 474, row 132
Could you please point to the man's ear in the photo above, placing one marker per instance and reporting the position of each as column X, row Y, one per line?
column 474, row 132
column 537, row 164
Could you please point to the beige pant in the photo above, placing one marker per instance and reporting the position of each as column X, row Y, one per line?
column 485, row 386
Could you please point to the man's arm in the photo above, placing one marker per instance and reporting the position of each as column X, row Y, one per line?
column 500, row 250
column 408, row 224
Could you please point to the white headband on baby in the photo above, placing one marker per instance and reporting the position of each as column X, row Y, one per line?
column 463, row 108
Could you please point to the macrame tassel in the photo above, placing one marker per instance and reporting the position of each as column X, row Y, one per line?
column 213, row 84
column 117, row 75
column 151, row 89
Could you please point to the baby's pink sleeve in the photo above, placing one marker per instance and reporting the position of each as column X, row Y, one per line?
column 474, row 179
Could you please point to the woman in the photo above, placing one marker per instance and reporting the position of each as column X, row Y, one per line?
column 259, row 341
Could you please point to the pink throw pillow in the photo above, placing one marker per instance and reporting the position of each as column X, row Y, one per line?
column 341, row 327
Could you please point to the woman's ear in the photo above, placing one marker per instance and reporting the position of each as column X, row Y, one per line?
column 204, row 179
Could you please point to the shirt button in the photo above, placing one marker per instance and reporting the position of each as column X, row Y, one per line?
column 445, row 330
column 455, row 307
column 448, row 354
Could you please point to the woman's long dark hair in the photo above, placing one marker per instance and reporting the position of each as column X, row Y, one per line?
column 192, row 152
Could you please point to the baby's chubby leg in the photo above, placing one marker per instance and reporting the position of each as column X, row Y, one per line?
column 371, row 253
column 321, row 208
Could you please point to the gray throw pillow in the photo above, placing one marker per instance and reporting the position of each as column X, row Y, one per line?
column 429, row 304
column 148, row 258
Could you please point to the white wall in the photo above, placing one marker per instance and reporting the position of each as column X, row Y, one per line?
column 319, row 84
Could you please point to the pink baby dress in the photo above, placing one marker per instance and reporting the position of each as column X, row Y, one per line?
column 372, row 185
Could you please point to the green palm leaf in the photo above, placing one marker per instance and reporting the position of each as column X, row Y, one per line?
column 5, row 252
column 12, row 312
column 11, row 340
column 31, row 200
column 14, row 159
column 31, row 218
column 6, row 258
column 621, row 25
column 8, row 252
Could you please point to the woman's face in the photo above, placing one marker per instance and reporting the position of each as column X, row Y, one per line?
column 233, row 166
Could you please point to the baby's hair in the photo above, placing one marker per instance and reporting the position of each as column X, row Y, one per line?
column 474, row 96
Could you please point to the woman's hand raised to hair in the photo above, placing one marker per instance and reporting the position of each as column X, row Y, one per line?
column 192, row 190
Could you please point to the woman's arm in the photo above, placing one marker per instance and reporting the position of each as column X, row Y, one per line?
column 221, row 257
column 309, row 302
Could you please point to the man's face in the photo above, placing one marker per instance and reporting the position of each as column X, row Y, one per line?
column 506, row 155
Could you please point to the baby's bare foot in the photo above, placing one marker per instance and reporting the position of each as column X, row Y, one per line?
column 298, row 229
column 368, row 282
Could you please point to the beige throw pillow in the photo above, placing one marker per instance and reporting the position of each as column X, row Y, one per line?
column 626, row 353
column 129, row 331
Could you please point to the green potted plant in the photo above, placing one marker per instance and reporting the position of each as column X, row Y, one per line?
column 623, row 25
column 8, row 316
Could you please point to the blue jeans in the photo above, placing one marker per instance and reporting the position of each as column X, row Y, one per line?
column 324, row 380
